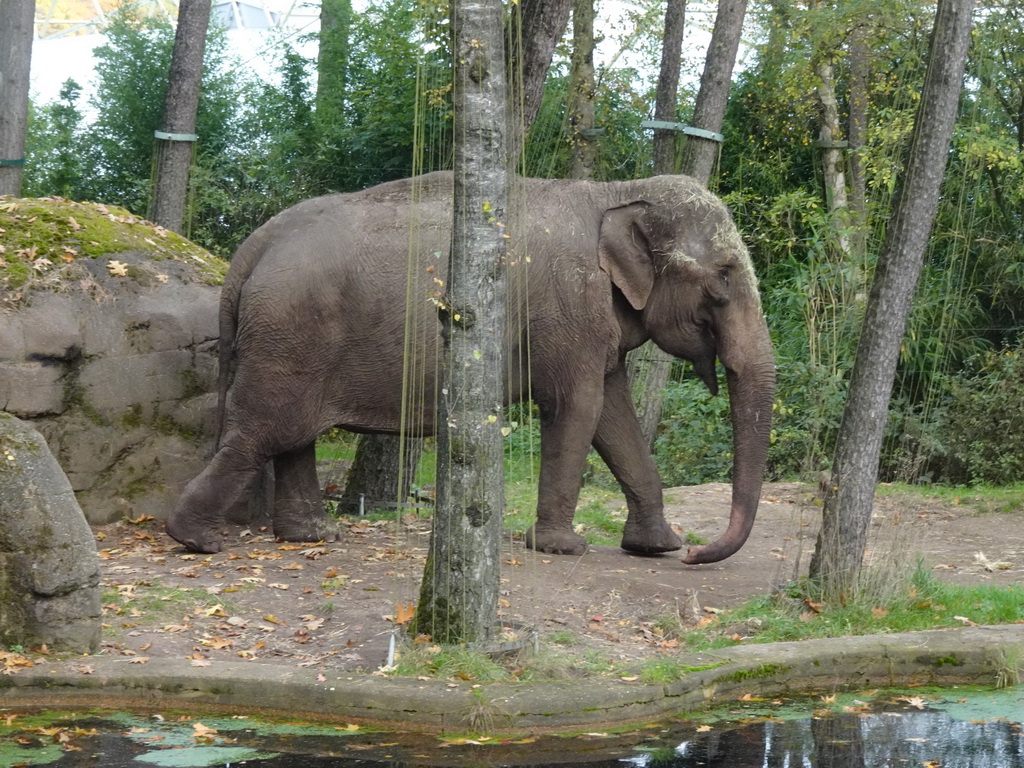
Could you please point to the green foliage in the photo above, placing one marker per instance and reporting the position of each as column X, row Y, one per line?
column 55, row 146
column 985, row 419
column 694, row 442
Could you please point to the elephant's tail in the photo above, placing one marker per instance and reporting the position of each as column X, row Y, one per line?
column 243, row 263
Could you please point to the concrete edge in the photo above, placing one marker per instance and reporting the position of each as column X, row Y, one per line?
column 988, row 655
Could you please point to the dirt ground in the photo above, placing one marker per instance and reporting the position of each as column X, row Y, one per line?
column 336, row 606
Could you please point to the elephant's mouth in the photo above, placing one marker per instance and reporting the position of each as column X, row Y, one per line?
column 704, row 367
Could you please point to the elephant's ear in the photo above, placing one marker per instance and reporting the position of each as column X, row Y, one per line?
column 623, row 253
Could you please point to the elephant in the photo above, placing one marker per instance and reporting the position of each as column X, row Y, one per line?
column 317, row 301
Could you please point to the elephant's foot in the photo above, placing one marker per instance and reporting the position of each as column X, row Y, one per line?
column 319, row 528
column 556, row 541
column 650, row 538
column 194, row 535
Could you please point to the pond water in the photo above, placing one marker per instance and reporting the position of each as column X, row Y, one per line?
column 959, row 728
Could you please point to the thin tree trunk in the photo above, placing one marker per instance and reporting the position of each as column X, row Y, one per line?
column 699, row 153
column 535, row 28
column 649, row 367
column 372, row 482
column 582, row 92
column 832, row 160
column 459, row 593
column 666, row 98
column 15, row 64
column 176, row 142
column 843, row 537
column 860, row 71
column 699, row 156
column 332, row 62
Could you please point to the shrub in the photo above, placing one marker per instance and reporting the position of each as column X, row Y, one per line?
column 985, row 419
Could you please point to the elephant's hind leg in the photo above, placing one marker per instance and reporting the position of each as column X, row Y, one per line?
column 199, row 512
column 299, row 513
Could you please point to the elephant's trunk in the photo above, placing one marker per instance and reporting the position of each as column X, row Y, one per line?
column 751, row 394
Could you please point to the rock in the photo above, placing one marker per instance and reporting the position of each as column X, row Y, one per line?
column 112, row 354
column 49, row 568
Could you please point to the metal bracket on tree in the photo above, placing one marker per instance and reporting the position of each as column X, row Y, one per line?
column 689, row 130
column 175, row 136
column 12, row 163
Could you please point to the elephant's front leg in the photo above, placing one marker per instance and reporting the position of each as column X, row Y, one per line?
column 620, row 442
column 565, row 437
column 299, row 513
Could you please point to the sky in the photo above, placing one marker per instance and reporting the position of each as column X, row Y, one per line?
column 55, row 60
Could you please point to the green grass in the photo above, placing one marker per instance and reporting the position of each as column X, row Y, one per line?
column 155, row 600
column 922, row 603
column 981, row 499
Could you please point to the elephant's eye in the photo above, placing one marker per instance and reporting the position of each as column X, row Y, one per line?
column 723, row 275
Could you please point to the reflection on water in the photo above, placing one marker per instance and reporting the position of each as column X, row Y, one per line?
column 981, row 730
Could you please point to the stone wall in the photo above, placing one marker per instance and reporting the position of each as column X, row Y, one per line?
column 116, row 368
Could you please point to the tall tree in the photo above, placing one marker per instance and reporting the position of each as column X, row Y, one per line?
column 699, row 156
column 176, row 141
column 16, row 18
column 649, row 365
column 666, row 100
column 582, row 92
column 534, row 29
column 459, row 593
column 841, row 542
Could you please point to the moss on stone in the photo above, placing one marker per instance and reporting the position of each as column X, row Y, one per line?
column 42, row 239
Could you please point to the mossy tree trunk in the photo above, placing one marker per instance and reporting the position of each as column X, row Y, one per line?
column 459, row 594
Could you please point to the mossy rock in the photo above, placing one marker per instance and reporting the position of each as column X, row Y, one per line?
column 43, row 242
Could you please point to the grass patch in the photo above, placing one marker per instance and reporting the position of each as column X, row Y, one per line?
column 152, row 601
column 982, row 500
column 921, row 602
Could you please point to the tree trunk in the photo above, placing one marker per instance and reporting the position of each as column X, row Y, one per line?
column 699, row 156
column 665, row 101
column 175, row 143
column 832, row 159
column 582, row 91
column 649, row 367
column 535, row 28
column 860, row 71
column 840, row 549
column 372, row 482
column 15, row 64
column 458, row 597
column 332, row 63
column 699, row 153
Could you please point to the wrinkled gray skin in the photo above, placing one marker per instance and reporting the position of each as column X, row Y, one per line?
column 313, row 317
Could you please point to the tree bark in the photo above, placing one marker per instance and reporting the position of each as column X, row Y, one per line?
column 665, row 101
column 373, row 476
column 332, row 62
column 832, row 157
column 16, row 18
column 176, row 142
column 841, row 542
column 649, row 367
column 699, row 156
column 535, row 27
column 582, row 91
column 458, row 597
column 860, row 71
